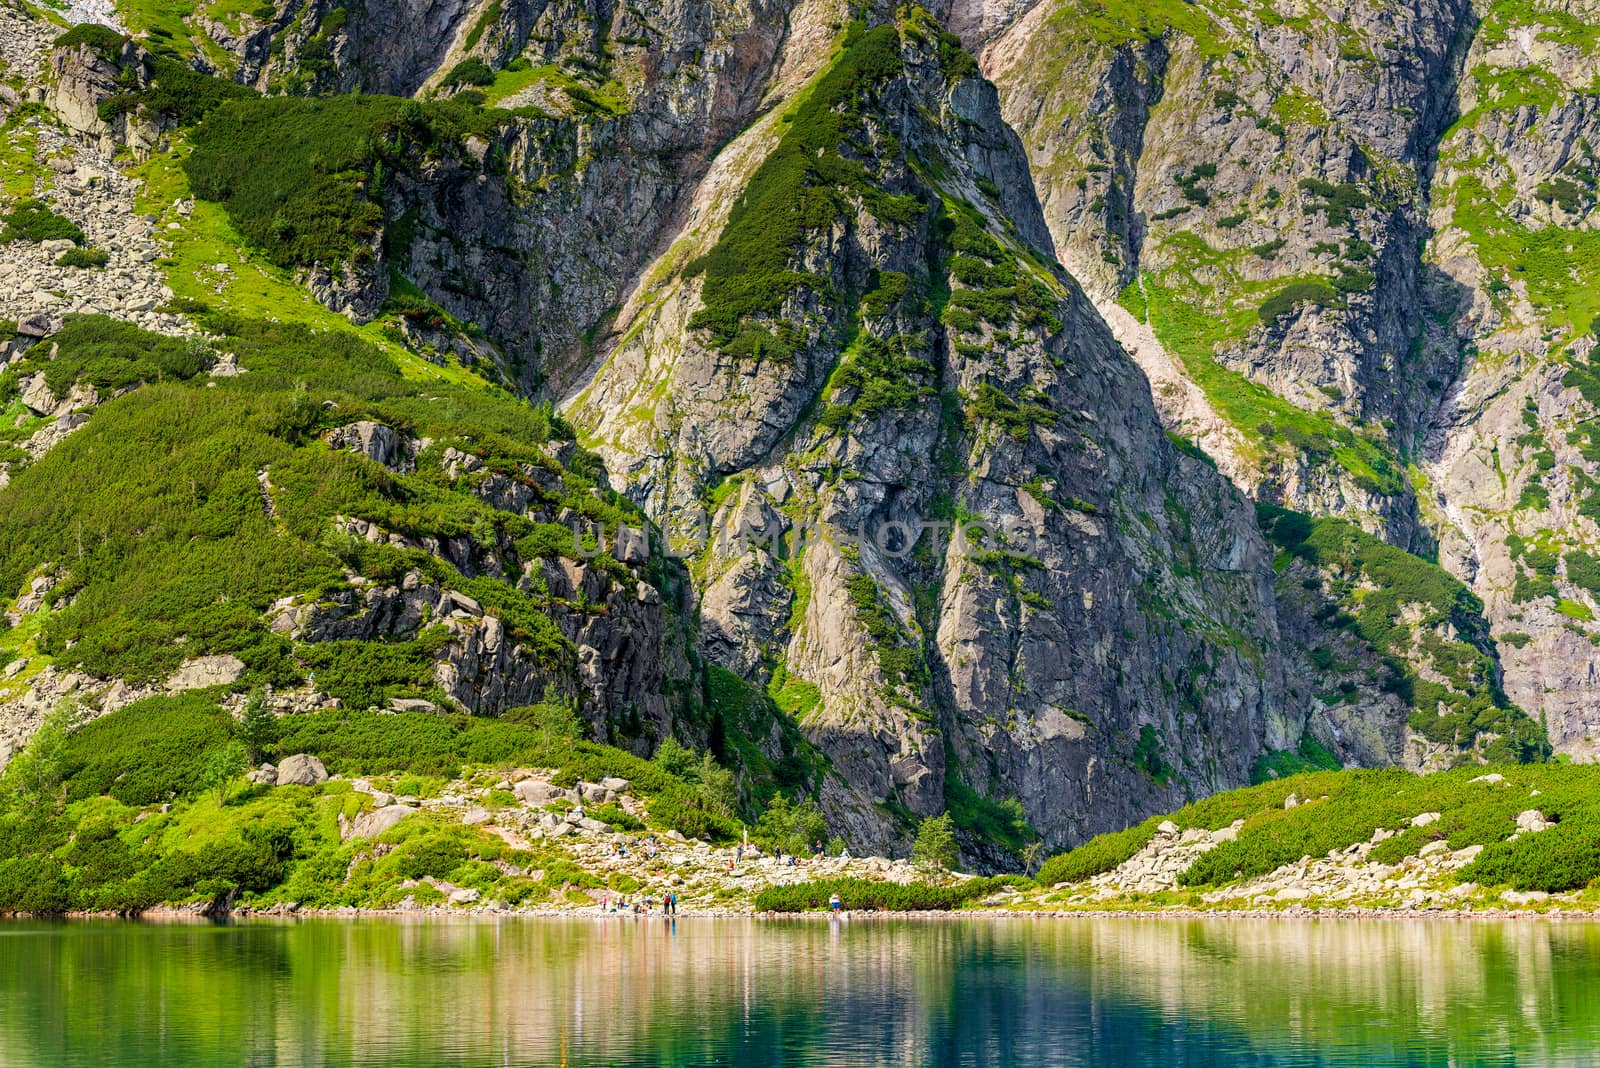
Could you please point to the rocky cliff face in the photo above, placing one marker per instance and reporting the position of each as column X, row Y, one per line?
column 1386, row 226
column 1252, row 185
column 797, row 273
column 1511, row 459
column 931, row 367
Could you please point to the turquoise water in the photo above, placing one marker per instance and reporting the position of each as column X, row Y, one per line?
column 642, row 991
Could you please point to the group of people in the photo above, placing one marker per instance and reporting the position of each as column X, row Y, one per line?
column 645, row 906
column 647, row 846
column 784, row 859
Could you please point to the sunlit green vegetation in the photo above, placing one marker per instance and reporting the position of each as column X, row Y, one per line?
column 1404, row 607
column 1341, row 808
column 799, row 188
column 867, row 895
column 124, row 814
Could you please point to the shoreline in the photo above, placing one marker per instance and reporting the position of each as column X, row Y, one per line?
column 182, row 915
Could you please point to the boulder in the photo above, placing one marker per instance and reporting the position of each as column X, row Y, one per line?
column 1531, row 820
column 265, row 775
column 1524, row 897
column 372, row 824
column 204, row 671
column 37, row 396
column 33, row 599
column 377, row 442
column 464, row 897
column 536, row 793
column 631, row 545
column 39, row 325
column 412, row 704
column 301, row 770
column 1422, row 819
column 615, row 784
column 592, row 792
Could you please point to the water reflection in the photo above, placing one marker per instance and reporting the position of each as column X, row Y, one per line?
column 653, row 991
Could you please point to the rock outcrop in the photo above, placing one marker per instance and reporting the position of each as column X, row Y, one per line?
column 820, row 455
column 794, row 272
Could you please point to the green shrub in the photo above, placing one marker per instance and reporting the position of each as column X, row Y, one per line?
column 1338, row 202
column 470, row 71
column 1099, row 854
column 436, row 855
column 173, row 91
column 33, row 220
column 294, row 174
column 83, row 257
column 1293, row 295
column 1563, row 857
column 1309, row 755
column 867, row 895
column 149, row 751
column 796, row 190
column 102, row 39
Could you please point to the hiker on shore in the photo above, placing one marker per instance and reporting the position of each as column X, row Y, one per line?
column 834, row 904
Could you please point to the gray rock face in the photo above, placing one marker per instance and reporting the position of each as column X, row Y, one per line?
column 1143, row 161
column 378, row 443
column 374, row 823
column 301, row 770
column 1437, row 349
column 1117, row 639
column 205, row 671
column 1025, row 673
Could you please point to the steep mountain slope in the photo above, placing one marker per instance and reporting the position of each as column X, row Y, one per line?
column 929, row 366
column 1351, row 250
column 1251, row 184
column 1512, row 456
column 906, row 532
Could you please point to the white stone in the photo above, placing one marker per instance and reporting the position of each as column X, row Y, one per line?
column 1531, row 820
column 205, row 671
column 301, row 770
column 372, row 824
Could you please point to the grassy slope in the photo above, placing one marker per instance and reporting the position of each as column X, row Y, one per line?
column 1211, row 299
column 1343, row 808
column 128, row 827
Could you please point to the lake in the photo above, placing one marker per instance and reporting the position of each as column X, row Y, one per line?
column 647, row 991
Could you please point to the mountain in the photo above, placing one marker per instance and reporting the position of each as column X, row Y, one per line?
column 1047, row 415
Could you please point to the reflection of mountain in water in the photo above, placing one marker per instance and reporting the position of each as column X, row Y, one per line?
column 641, row 992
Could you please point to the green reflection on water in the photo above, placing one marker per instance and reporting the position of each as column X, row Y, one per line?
column 640, row 991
